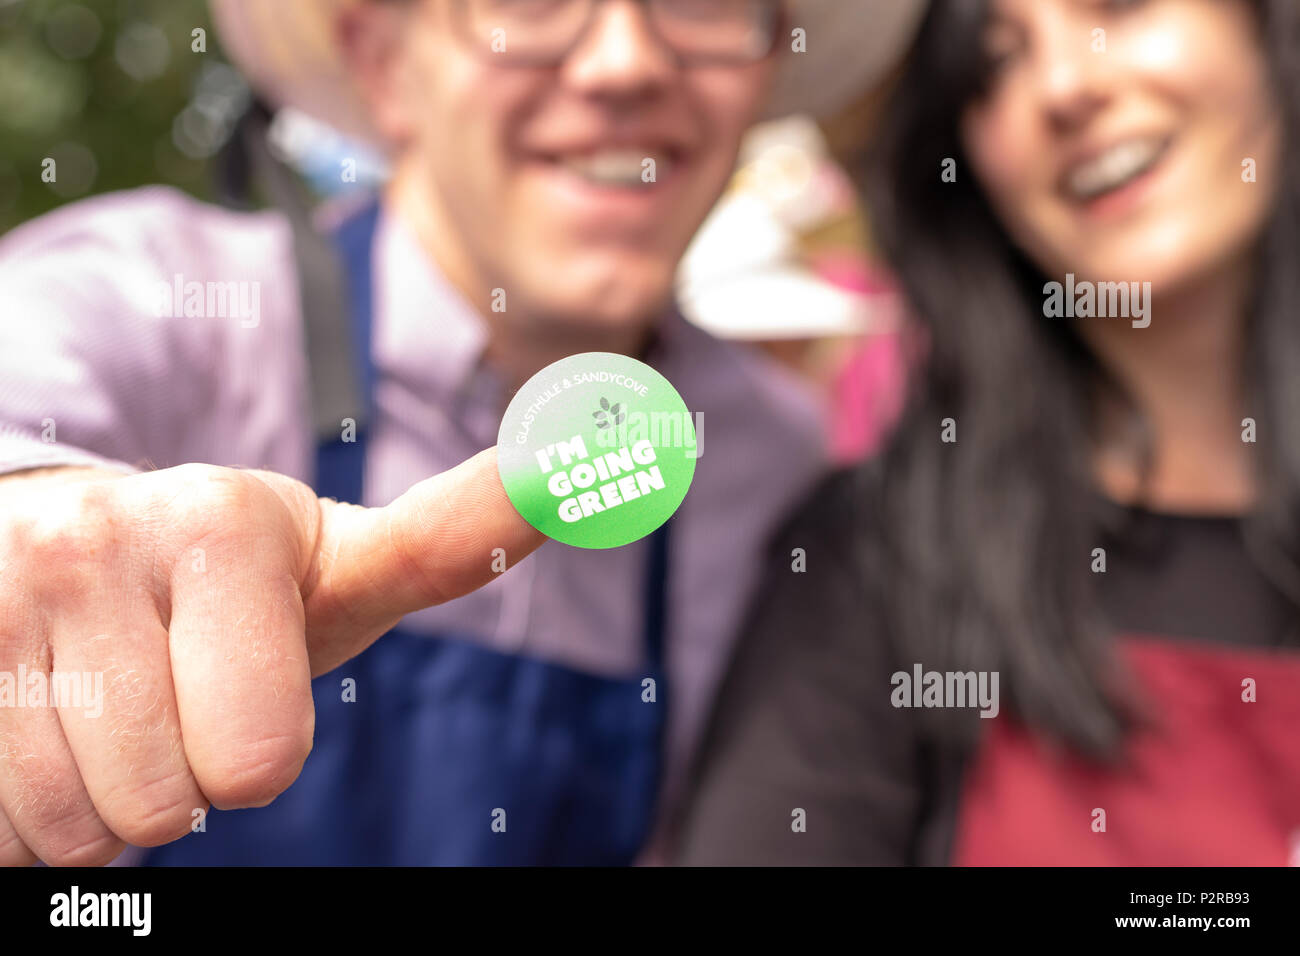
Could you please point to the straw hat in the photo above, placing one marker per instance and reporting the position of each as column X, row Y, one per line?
column 287, row 50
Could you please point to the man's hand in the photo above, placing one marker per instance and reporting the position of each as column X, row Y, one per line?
column 207, row 598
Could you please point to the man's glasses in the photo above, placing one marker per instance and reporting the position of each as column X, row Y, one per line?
column 545, row 32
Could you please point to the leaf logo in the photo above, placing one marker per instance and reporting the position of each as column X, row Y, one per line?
column 608, row 414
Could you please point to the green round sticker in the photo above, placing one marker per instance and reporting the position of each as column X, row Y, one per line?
column 597, row 450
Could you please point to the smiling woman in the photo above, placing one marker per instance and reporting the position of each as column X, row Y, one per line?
column 1078, row 505
column 1127, row 153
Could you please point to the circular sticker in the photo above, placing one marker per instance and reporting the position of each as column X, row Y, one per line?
column 597, row 450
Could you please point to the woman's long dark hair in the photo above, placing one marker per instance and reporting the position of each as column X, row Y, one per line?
column 988, row 540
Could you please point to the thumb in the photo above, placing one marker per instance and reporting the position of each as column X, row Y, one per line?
column 446, row 536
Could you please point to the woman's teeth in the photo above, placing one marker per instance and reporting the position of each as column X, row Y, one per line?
column 618, row 167
column 1113, row 168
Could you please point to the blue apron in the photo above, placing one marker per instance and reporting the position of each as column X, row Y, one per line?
column 452, row 753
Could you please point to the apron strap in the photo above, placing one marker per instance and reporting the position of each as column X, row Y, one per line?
column 340, row 463
column 656, row 598
column 336, row 391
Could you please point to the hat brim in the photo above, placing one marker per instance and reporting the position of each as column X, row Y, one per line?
column 288, row 51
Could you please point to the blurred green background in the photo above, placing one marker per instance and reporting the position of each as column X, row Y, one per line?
column 114, row 92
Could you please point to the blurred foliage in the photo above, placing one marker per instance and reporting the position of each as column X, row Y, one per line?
column 115, row 93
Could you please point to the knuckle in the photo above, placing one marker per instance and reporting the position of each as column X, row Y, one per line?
column 260, row 772
column 66, row 830
column 205, row 502
column 84, row 528
column 203, row 490
column 52, row 806
column 156, row 811
column 95, row 849
column 56, row 545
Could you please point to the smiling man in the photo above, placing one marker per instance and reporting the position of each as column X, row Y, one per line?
column 551, row 161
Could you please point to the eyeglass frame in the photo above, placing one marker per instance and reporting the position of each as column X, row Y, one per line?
column 774, row 9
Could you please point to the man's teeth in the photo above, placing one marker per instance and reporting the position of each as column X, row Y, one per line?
column 618, row 167
column 1113, row 168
